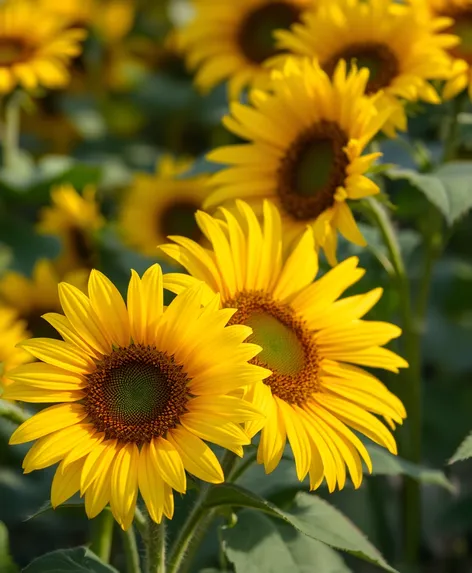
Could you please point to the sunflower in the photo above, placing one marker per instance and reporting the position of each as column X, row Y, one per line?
column 139, row 387
column 35, row 46
column 402, row 50
column 233, row 40
column 12, row 331
column 312, row 341
column 458, row 14
column 161, row 204
column 75, row 219
column 32, row 297
column 307, row 137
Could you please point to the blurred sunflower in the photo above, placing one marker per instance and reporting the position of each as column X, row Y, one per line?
column 459, row 18
column 75, row 219
column 162, row 204
column 402, row 50
column 233, row 40
column 12, row 331
column 312, row 341
column 36, row 47
column 307, row 136
column 32, row 297
column 139, row 387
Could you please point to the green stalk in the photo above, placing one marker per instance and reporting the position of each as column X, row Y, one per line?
column 102, row 535
column 11, row 131
column 11, row 412
column 156, row 547
column 452, row 137
column 130, row 548
column 413, row 388
column 196, row 526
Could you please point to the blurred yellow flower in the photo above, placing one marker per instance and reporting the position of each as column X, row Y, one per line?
column 402, row 50
column 307, row 136
column 312, row 340
column 162, row 204
column 459, row 15
column 32, row 297
column 12, row 331
column 138, row 387
column 232, row 40
column 74, row 218
column 36, row 46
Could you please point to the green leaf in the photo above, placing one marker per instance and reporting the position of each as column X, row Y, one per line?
column 256, row 544
column 312, row 516
column 48, row 507
column 385, row 463
column 464, row 451
column 7, row 565
column 77, row 560
column 449, row 188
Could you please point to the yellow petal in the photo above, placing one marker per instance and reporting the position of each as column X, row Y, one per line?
column 60, row 354
column 168, row 463
column 297, row 436
column 66, row 482
column 151, row 485
column 197, row 457
column 124, row 484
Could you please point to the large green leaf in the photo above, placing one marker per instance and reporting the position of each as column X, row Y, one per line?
column 312, row 516
column 77, row 560
column 464, row 451
column 256, row 544
column 7, row 565
column 449, row 188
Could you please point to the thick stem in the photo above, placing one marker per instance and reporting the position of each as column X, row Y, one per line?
column 196, row 526
column 452, row 138
column 130, row 548
column 413, row 388
column 156, row 547
column 9, row 411
column 11, row 131
column 102, row 535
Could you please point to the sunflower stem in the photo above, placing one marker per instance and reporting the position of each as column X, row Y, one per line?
column 412, row 392
column 156, row 547
column 12, row 413
column 102, row 535
column 130, row 548
column 452, row 141
column 197, row 524
column 11, row 130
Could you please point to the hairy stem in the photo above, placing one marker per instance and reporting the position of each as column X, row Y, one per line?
column 156, row 547
column 102, row 535
column 130, row 548
column 11, row 130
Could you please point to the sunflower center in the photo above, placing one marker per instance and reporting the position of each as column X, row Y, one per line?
column 256, row 37
column 312, row 169
column 288, row 347
column 378, row 58
column 136, row 394
column 12, row 50
column 462, row 27
column 179, row 219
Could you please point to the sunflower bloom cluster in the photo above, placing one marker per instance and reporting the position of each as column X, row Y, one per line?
column 232, row 41
column 458, row 15
column 36, row 46
column 403, row 50
column 313, row 341
column 138, row 392
column 305, row 152
column 162, row 204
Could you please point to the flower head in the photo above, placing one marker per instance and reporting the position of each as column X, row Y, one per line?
column 402, row 50
column 313, row 341
column 162, row 204
column 12, row 331
column 233, row 40
column 36, row 46
column 307, row 136
column 74, row 218
column 138, row 388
